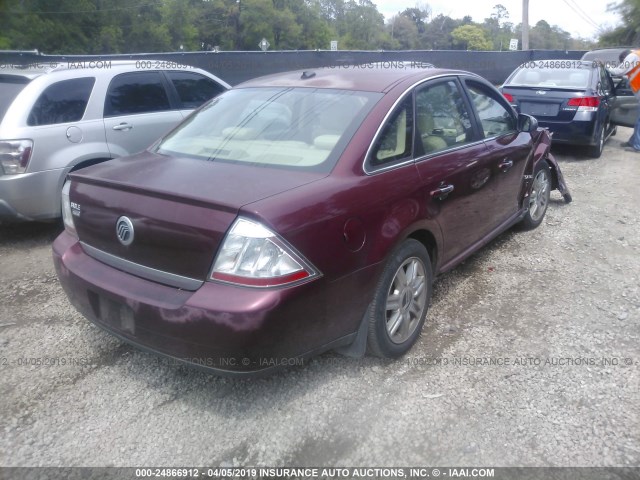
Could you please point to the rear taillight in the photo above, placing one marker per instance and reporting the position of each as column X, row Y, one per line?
column 67, row 213
column 15, row 155
column 584, row 104
column 254, row 256
column 509, row 97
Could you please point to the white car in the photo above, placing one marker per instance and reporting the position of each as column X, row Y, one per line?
column 59, row 118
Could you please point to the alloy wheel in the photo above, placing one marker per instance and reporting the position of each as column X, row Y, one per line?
column 539, row 199
column 406, row 300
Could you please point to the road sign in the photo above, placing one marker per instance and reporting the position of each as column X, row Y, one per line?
column 513, row 44
column 334, row 45
column 264, row 44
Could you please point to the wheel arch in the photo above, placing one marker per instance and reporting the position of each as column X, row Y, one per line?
column 428, row 239
column 77, row 166
column 87, row 163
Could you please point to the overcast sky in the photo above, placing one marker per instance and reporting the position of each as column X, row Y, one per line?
column 555, row 12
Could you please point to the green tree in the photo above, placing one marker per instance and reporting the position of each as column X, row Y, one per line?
column 365, row 26
column 272, row 20
column 179, row 17
column 437, row 33
column 316, row 31
column 216, row 23
column 404, row 33
column 498, row 28
column 61, row 27
column 127, row 26
column 547, row 37
column 471, row 37
column 629, row 32
column 419, row 15
column 109, row 39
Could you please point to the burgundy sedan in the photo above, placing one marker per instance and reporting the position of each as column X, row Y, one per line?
column 301, row 212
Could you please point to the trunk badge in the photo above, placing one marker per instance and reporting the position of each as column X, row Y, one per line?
column 541, row 92
column 124, row 231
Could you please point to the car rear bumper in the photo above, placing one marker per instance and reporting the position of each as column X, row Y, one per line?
column 222, row 328
column 572, row 133
column 30, row 196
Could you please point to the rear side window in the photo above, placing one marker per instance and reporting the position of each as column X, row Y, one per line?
column 396, row 139
column 194, row 89
column 134, row 93
column 10, row 87
column 62, row 102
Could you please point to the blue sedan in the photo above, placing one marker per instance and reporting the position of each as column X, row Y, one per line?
column 575, row 99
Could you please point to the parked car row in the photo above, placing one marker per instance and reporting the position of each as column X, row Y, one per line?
column 295, row 213
column 57, row 119
column 54, row 120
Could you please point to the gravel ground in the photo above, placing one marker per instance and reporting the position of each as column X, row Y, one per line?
column 557, row 309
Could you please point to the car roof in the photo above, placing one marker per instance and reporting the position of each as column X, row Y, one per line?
column 364, row 77
column 29, row 72
column 605, row 54
column 38, row 67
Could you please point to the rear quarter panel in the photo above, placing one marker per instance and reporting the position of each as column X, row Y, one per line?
column 380, row 211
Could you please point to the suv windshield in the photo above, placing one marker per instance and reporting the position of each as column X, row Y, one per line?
column 282, row 127
column 576, row 76
column 10, row 87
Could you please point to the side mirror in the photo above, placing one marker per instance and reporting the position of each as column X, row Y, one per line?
column 527, row 123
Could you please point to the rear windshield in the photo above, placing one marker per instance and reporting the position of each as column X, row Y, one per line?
column 10, row 87
column 571, row 75
column 304, row 128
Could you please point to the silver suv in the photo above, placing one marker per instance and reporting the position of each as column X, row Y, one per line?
column 58, row 118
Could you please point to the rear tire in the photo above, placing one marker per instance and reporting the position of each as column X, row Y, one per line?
column 595, row 151
column 539, row 197
column 400, row 305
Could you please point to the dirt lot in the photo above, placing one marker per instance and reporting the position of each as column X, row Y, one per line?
column 556, row 310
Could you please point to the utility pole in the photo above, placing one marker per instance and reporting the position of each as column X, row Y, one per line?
column 525, row 24
column 237, row 39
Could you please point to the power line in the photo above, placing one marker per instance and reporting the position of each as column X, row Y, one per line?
column 585, row 15
column 582, row 14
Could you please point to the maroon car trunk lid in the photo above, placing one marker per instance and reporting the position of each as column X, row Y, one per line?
column 180, row 209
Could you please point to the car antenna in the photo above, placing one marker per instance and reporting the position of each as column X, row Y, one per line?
column 307, row 74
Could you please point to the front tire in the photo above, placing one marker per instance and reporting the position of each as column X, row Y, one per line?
column 400, row 305
column 539, row 197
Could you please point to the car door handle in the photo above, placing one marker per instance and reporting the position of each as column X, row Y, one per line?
column 505, row 165
column 442, row 192
column 123, row 127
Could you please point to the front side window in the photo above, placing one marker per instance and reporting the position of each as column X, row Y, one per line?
column 194, row 89
column 305, row 128
column 442, row 119
column 495, row 118
column 395, row 141
column 61, row 102
column 135, row 93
